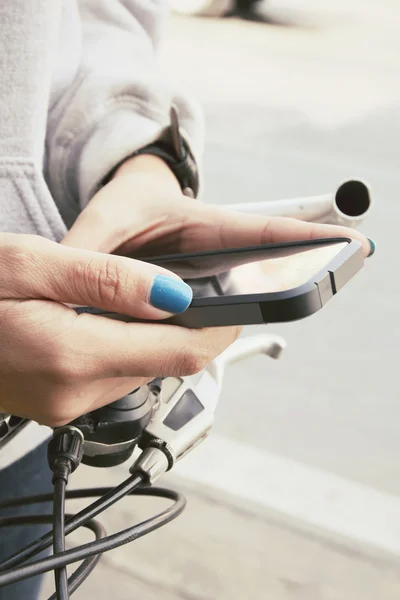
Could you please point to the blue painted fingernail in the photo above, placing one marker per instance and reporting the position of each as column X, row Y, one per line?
column 373, row 247
column 170, row 294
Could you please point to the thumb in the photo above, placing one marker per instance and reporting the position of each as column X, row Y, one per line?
column 34, row 267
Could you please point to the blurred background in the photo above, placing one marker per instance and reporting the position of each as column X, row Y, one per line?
column 296, row 496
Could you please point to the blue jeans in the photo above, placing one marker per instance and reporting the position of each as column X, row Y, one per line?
column 30, row 475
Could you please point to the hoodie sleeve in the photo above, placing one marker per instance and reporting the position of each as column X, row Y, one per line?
column 118, row 102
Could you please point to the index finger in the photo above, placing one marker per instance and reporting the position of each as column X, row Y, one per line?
column 222, row 229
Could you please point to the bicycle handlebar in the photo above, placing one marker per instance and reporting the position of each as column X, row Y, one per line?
column 347, row 206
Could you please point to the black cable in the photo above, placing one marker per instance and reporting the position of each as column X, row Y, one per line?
column 103, row 545
column 60, row 575
column 110, row 497
column 64, row 455
column 87, row 566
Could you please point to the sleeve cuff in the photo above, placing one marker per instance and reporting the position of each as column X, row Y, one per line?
column 115, row 139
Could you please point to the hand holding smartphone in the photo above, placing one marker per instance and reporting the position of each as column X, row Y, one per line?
column 259, row 284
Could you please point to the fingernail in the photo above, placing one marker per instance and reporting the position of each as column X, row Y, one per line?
column 170, row 294
column 373, row 247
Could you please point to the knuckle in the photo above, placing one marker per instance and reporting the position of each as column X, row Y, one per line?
column 110, row 281
column 210, row 343
column 101, row 280
column 191, row 361
column 205, row 345
column 223, row 337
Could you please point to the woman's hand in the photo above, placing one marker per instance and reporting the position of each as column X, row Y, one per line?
column 56, row 365
column 142, row 212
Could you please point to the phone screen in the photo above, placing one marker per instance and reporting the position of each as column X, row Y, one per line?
column 253, row 271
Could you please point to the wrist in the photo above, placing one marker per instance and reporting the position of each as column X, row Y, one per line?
column 151, row 165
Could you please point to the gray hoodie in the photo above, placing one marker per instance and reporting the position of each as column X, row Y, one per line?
column 79, row 92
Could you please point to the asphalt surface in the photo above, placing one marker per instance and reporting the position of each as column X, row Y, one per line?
column 223, row 549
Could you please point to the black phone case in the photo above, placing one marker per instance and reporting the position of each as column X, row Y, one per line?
column 277, row 307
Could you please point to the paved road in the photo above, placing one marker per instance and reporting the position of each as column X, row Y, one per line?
column 224, row 549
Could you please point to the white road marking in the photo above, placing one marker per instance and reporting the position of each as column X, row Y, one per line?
column 321, row 499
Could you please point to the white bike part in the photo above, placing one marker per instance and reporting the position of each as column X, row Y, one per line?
column 205, row 8
column 348, row 206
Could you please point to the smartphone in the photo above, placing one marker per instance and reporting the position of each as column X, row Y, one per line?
column 270, row 283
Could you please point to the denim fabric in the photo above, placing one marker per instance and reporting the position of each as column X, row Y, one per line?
column 30, row 475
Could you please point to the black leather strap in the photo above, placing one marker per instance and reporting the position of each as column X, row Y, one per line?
column 175, row 152
column 185, row 170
